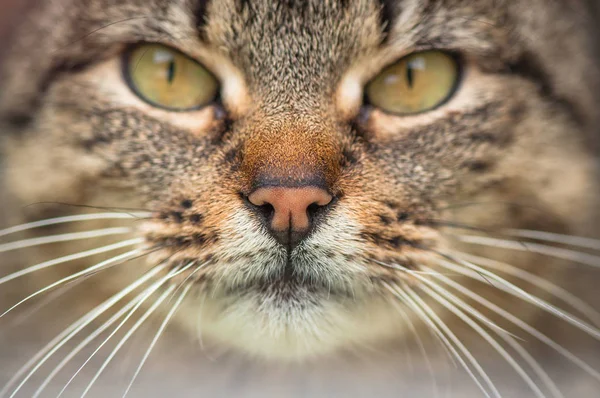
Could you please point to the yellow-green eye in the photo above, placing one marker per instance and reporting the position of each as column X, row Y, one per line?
column 167, row 78
column 416, row 83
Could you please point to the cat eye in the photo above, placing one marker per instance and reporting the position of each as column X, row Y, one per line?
column 417, row 83
column 164, row 77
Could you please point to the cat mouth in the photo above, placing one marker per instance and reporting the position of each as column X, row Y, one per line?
column 284, row 288
column 286, row 283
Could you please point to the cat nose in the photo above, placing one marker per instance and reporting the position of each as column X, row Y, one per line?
column 289, row 212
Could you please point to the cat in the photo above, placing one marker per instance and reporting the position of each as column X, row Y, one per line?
column 355, row 194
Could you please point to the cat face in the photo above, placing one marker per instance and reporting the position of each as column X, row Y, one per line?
column 315, row 166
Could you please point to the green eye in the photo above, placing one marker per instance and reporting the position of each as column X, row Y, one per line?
column 416, row 83
column 166, row 78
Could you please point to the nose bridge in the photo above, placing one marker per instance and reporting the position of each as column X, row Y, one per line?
column 290, row 151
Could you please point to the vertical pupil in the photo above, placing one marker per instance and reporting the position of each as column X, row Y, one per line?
column 410, row 76
column 171, row 72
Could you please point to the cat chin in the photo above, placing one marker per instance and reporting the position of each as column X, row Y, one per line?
column 267, row 328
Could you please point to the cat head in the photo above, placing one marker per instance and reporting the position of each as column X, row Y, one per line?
column 300, row 160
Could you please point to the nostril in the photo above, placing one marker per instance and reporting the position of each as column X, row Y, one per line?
column 267, row 210
column 313, row 209
column 316, row 211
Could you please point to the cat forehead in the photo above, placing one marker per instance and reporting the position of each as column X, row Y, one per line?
column 319, row 37
column 283, row 32
column 297, row 49
column 290, row 51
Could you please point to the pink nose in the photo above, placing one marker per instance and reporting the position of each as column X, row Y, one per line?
column 290, row 205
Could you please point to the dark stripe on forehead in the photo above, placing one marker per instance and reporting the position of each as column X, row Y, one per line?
column 387, row 14
column 199, row 8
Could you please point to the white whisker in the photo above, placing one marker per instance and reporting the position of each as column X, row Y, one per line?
column 103, row 264
column 399, row 294
column 144, row 296
column 400, row 268
column 516, row 291
column 89, row 339
column 157, row 336
column 127, row 336
column 456, row 341
column 434, row 335
column 441, row 338
column 420, row 344
column 537, row 368
column 198, row 323
column 434, row 273
column 70, row 257
column 68, row 219
column 21, row 244
column 551, row 251
column 55, row 344
column 50, row 297
column 520, row 323
column 535, row 280
column 587, row 243
column 509, row 339
column 187, row 278
column 479, row 330
column 406, row 350
column 430, row 317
